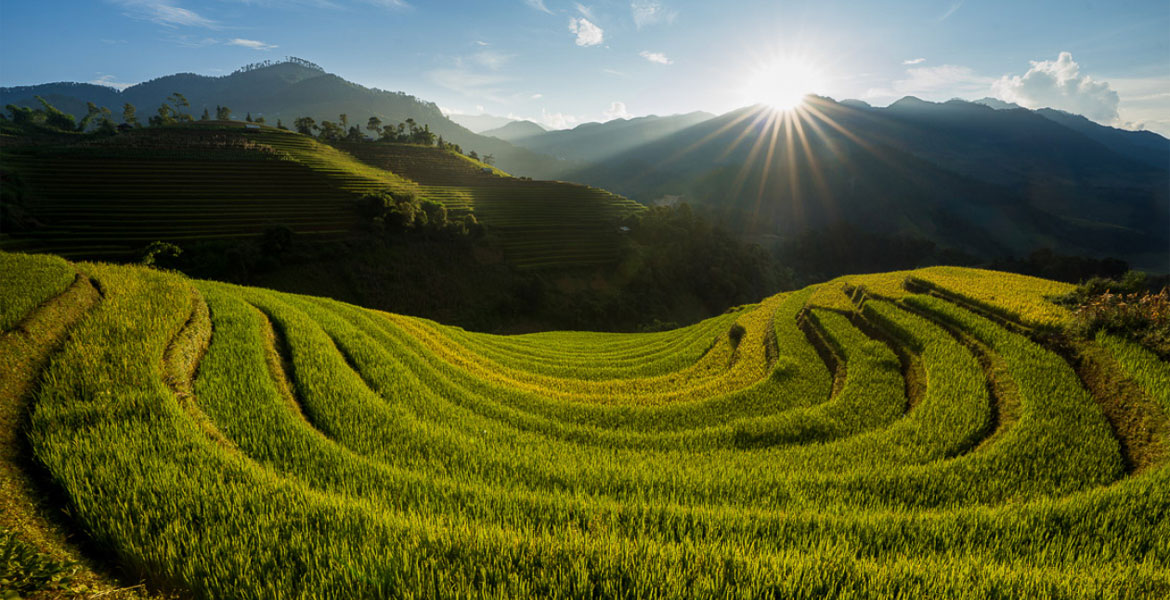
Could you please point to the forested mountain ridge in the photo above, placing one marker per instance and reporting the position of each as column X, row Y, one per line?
column 957, row 174
column 280, row 91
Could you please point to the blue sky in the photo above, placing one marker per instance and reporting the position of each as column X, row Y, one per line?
column 563, row 63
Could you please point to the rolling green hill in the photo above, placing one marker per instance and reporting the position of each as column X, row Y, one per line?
column 107, row 198
column 542, row 223
column 910, row 434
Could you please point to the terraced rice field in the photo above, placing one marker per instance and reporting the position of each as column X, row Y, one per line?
column 852, row 439
column 541, row 223
column 108, row 201
column 94, row 207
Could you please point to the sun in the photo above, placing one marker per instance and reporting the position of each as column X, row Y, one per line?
column 783, row 83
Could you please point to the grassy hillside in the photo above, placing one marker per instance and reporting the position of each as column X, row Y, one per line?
column 109, row 197
column 541, row 223
column 282, row 90
column 908, row 434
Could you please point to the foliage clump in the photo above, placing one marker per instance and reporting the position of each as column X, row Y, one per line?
column 23, row 570
column 1128, row 307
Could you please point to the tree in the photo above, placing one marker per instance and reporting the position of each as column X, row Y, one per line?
column 165, row 116
column 180, row 103
column 354, row 134
column 149, row 255
column 375, row 125
column 222, row 113
column 248, row 118
column 473, row 155
column 280, row 125
column 206, row 116
column 489, row 159
column 129, row 114
column 330, row 132
column 54, row 117
column 260, row 119
column 344, row 119
column 305, row 125
column 99, row 115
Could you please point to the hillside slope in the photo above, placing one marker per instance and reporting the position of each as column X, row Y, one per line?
column 961, row 175
column 284, row 90
column 852, row 438
column 109, row 197
column 541, row 223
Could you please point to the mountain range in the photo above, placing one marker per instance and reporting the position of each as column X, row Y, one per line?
column 284, row 90
column 987, row 177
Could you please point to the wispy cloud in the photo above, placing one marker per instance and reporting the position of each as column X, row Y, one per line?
column 941, row 83
column 585, row 10
column 650, row 12
column 616, row 73
column 955, row 6
column 394, row 4
column 166, row 13
column 655, row 57
column 251, row 44
column 588, row 34
column 488, row 59
column 538, row 5
column 914, row 61
column 192, row 41
column 536, row 96
column 108, row 80
column 477, row 85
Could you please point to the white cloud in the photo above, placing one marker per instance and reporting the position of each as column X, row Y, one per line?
column 538, row 5
column 617, row 110
column 108, row 80
column 252, row 44
column 166, row 13
column 616, row 73
column 481, row 43
column 537, row 96
column 588, row 34
column 655, row 57
column 648, row 12
column 556, row 120
column 1145, row 103
column 914, row 61
column 1059, row 84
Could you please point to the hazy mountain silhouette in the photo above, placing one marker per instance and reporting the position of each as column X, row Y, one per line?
column 516, row 130
column 480, row 123
column 285, row 91
column 958, row 173
column 597, row 141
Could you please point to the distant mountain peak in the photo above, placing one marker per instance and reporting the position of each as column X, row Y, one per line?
column 288, row 60
column 515, row 130
column 997, row 104
column 911, row 102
